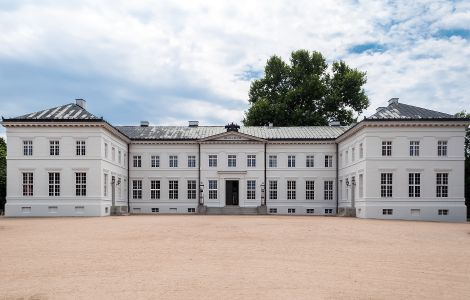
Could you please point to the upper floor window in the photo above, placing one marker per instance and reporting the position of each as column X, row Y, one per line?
column 173, row 189
column 27, row 184
column 80, row 148
column 273, row 189
column 191, row 161
column 291, row 189
column 273, row 161
column 414, row 185
column 213, row 160
column 232, row 160
column 291, row 161
column 28, row 148
column 328, row 161
column 113, row 153
column 442, row 184
column 191, row 189
column 54, row 184
column 251, row 189
column 105, row 150
column 361, row 150
column 173, row 161
column 328, row 189
column 136, row 189
column 251, row 160
column 119, row 157
column 137, row 161
column 213, row 189
column 414, row 148
column 442, row 148
column 386, row 185
column 310, row 190
column 54, row 147
column 386, row 148
column 310, row 161
column 155, row 189
column 361, row 185
column 353, row 154
column 346, row 157
column 155, row 161
column 80, row 184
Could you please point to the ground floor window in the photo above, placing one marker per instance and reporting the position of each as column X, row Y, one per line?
column 136, row 189
column 213, row 189
column 28, row 184
column 291, row 210
column 250, row 189
column 386, row 185
column 191, row 210
column 273, row 210
column 414, row 185
column 54, row 184
column 328, row 190
column 155, row 189
column 443, row 212
column 155, row 209
column 191, row 189
column 173, row 189
column 310, row 210
column 80, row 184
column 310, row 190
column 273, row 189
column 328, row 210
column 442, row 184
column 387, row 211
column 291, row 185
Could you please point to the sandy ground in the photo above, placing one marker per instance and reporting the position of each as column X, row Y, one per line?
column 232, row 257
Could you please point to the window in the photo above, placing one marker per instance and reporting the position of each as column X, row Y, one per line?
column 251, row 160
column 54, row 148
column 310, row 161
column 386, row 185
column 232, row 161
column 340, row 190
column 213, row 189
column 250, row 189
column 137, row 161
column 442, row 185
column 328, row 211
column 28, row 148
column 80, row 184
column 414, row 185
column 27, row 184
column 80, row 148
column 442, row 148
column 387, row 211
column 173, row 161
column 213, row 160
column 415, row 212
column 136, row 189
column 105, row 150
column 273, row 161
column 328, row 161
column 291, row 210
column 155, row 161
column 113, row 153
column 386, row 148
column 173, row 189
column 191, row 210
column 414, row 148
column 52, row 209
column 346, row 157
column 443, row 212
column 341, row 159
column 291, row 189
column 105, row 187
column 191, row 161
column 125, row 158
column 361, row 150
column 273, row 189
column 155, row 209
column 54, row 184
column 273, row 210
column 310, row 190
column 291, row 161
column 119, row 189
column 310, row 210
column 119, row 157
column 328, row 190
column 154, row 189
column 353, row 154
column 361, row 185
column 191, row 189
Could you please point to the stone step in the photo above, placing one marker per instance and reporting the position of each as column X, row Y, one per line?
column 232, row 210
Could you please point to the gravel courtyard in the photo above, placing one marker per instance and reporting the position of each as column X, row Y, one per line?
column 232, row 257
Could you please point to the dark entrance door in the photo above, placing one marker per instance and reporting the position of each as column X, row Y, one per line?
column 231, row 192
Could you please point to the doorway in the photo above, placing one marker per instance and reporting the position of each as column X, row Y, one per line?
column 231, row 192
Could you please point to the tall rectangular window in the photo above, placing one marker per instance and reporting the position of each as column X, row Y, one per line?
column 328, row 161
column 213, row 189
column 291, row 187
column 105, row 150
column 361, row 185
column 80, row 148
column 273, row 161
column 191, row 189
column 361, row 150
column 442, row 185
column 137, row 161
column 113, row 153
column 173, row 189
column 105, row 185
column 346, row 157
column 340, row 190
column 386, row 148
column 154, row 189
column 291, row 161
column 173, row 161
column 155, row 161
column 442, row 148
column 251, row 160
column 310, row 190
column 414, row 148
column 232, row 160
column 310, row 161
column 386, row 185
column 136, row 189
column 251, row 189
column 80, row 184
column 27, row 184
column 54, row 184
column 212, row 160
column 28, row 148
column 273, row 189
column 328, row 189
column 119, row 157
column 191, row 161
column 54, row 148
column 414, row 185
column 353, row 154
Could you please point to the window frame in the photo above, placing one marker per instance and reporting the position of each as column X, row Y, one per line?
column 251, row 189
column 137, row 189
column 328, row 161
column 192, row 189
column 80, row 183
column 328, row 190
column 54, row 147
column 442, row 148
column 251, row 160
column 80, row 147
column 28, row 184
column 27, row 147
column 291, row 189
column 291, row 161
column 173, row 161
column 442, row 185
column 213, row 192
column 414, row 148
column 273, row 185
column 54, row 184
column 212, row 160
column 137, row 161
column 310, row 161
column 386, row 185
column 310, row 190
column 155, row 189
column 414, row 185
column 231, row 161
column 173, row 186
column 272, row 161
column 387, row 148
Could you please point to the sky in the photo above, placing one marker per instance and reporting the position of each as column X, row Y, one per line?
column 173, row 61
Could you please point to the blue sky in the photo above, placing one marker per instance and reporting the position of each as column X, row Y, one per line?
column 173, row 61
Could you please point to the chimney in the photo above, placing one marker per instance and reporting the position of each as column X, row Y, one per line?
column 144, row 123
column 193, row 123
column 81, row 103
column 392, row 101
column 334, row 123
column 270, row 124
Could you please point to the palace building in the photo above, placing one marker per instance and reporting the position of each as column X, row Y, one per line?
column 403, row 162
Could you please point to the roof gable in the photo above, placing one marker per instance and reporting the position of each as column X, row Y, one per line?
column 404, row 111
column 233, row 136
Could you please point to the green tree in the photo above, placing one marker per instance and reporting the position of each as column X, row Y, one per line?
column 463, row 114
column 3, row 173
column 306, row 92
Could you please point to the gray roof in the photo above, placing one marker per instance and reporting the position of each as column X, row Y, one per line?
column 404, row 111
column 61, row 113
column 269, row 133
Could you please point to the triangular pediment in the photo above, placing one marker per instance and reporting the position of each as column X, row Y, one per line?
column 232, row 136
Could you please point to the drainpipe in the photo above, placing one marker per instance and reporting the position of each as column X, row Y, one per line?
column 337, row 175
column 265, row 183
column 128, row 179
column 198, row 186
